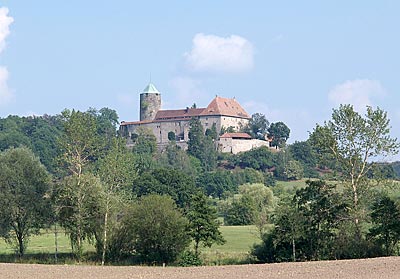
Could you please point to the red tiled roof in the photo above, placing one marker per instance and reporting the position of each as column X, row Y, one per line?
column 225, row 106
column 236, row 135
column 218, row 106
column 177, row 113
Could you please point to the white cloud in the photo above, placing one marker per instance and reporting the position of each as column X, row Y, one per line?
column 186, row 90
column 5, row 22
column 6, row 94
column 211, row 53
column 358, row 93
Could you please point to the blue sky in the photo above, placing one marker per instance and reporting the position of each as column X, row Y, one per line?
column 291, row 60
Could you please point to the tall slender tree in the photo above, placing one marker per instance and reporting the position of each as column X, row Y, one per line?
column 117, row 174
column 203, row 223
column 354, row 141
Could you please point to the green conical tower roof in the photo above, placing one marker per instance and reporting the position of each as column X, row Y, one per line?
column 151, row 89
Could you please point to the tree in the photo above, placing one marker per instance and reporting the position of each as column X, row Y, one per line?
column 171, row 136
column 216, row 183
column 145, row 147
column 354, row 141
column 156, row 229
column 289, row 170
column 305, row 227
column 39, row 133
column 12, row 133
column 177, row 158
column 323, row 210
column 261, row 159
column 279, row 133
column 78, row 195
column 80, row 205
column 24, row 202
column 257, row 127
column 302, row 151
column 263, row 203
column 80, row 141
column 203, row 223
column 166, row 181
column 212, row 133
column 240, row 212
column 200, row 146
column 117, row 175
column 385, row 231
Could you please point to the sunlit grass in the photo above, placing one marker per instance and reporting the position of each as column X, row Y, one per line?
column 239, row 240
column 41, row 248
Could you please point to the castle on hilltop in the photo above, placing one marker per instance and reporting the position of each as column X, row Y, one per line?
column 224, row 113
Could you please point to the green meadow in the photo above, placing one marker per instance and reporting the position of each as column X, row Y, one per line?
column 41, row 248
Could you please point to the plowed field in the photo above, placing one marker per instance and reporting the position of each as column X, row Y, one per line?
column 354, row 269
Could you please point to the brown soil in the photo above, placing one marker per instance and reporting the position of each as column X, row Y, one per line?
column 354, row 269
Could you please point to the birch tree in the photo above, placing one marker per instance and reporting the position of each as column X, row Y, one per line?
column 117, row 174
column 354, row 142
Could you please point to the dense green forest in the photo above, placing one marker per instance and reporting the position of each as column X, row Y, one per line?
column 143, row 205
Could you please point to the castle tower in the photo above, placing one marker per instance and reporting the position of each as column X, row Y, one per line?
column 150, row 103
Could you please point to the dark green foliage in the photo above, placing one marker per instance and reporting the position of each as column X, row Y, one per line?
column 200, row 146
column 212, row 133
column 323, row 209
column 240, row 212
column 261, row 159
column 24, row 203
column 216, row 183
column 38, row 133
column 171, row 136
column 265, row 252
column 203, row 223
column 229, row 129
column 396, row 169
column 12, row 133
column 381, row 171
column 279, row 133
column 305, row 229
column 303, row 152
column 222, row 183
column 196, row 138
column 153, row 230
column 79, row 204
column 176, row 158
column 385, row 230
column 351, row 243
column 289, row 170
column 166, row 181
column 145, row 143
column 106, row 125
column 257, row 126
column 145, row 148
column 189, row 258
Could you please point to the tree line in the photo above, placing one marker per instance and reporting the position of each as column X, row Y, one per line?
column 74, row 170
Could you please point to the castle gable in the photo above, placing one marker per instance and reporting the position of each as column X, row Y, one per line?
column 225, row 106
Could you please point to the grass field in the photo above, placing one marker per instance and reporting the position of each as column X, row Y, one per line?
column 239, row 240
